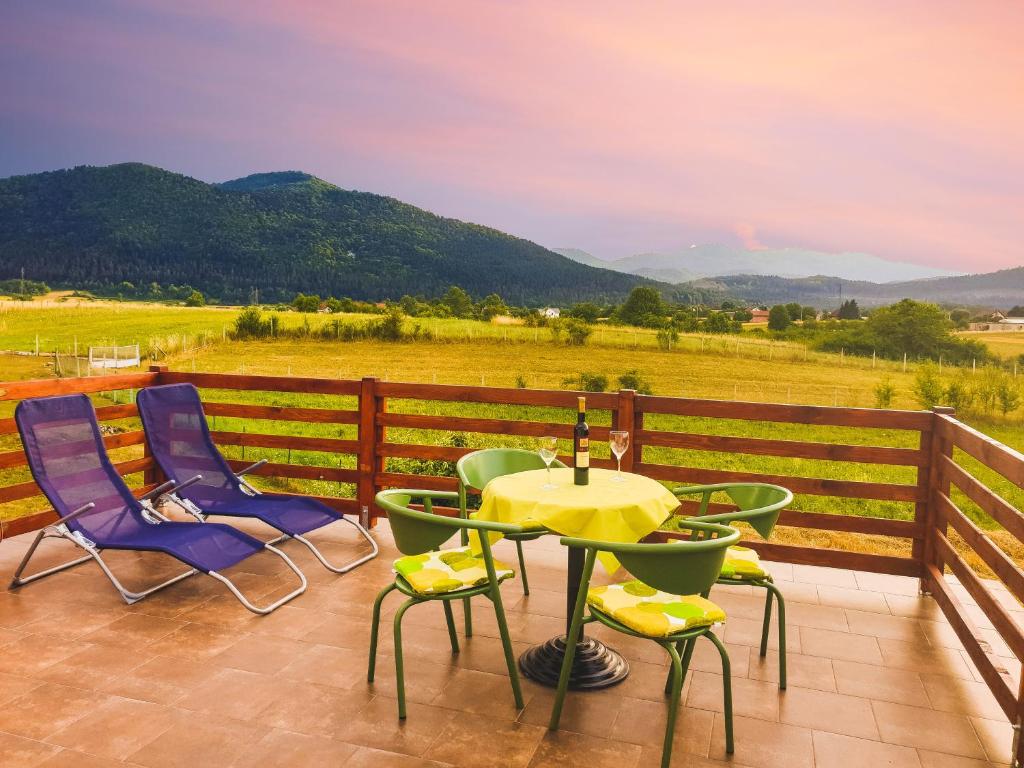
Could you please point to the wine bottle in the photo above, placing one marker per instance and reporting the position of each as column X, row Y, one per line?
column 581, row 446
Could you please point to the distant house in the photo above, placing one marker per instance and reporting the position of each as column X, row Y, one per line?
column 551, row 312
column 758, row 316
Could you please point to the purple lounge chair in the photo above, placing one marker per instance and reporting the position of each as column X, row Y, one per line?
column 98, row 511
column 180, row 441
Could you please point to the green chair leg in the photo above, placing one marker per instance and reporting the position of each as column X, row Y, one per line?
column 450, row 621
column 676, row 678
column 772, row 589
column 506, row 645
column 726, row 688
column 374, row 631
column 522, row 568
column 467, row 610
column 399, row 665
column 685, row 650
column 766, row 627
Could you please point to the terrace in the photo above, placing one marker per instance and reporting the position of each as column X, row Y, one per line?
column 880, row 674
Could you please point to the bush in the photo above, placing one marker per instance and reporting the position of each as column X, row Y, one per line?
column 885, row 392
column 520, row 381
column 667, row 336
column 927, row 387
column 778, row 318
column 958, row 395
column 250, row 324
column 304, row 303
column 195, row 299
column 576, row 332
column 632, row 379
column 587, row 382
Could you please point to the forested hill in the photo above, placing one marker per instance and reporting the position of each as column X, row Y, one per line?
column 284, row 233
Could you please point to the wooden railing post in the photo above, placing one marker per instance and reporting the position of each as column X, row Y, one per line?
column 624, row 418
column 936, row 482
column 154, row 475
column 371, row 435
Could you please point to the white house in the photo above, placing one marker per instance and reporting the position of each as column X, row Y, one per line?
column 551, row 312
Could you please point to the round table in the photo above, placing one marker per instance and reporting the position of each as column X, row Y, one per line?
column 606, row 510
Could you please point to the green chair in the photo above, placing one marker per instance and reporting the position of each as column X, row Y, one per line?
column 428, row 573
column 759, row 505
column 665, row 602
column 477, row 469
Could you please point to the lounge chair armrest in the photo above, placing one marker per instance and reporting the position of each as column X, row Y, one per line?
column 171, row 486
column 72, row 515
column 251, row 468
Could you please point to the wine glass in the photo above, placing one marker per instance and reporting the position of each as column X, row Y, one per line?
column 548, row 451
column 619, row 442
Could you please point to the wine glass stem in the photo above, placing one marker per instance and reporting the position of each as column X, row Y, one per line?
column 549, row 474
column 618, row 468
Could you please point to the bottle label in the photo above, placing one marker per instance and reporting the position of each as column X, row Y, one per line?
column 582, row 459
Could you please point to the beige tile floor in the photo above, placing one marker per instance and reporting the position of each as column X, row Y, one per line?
column 189, row 678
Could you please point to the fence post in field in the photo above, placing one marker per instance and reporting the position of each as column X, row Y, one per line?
column 937, row 482
column 370, row 436
column 624, row 417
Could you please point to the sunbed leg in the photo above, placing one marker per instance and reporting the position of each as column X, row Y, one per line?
column 133, row 597
column 348, row 566
column 276, row 604
column 17, row 581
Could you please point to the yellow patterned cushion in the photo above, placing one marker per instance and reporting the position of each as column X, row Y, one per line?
column 447, row 570
column 743, row 564
column 651, row 612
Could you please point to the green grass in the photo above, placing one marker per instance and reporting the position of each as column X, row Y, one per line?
column 464, row 352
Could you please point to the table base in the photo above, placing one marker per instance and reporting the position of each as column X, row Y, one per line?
column 594, row 666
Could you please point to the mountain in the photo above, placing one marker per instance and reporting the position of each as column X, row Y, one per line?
column 283, row 232
column 714, row 260
column 1004, row 288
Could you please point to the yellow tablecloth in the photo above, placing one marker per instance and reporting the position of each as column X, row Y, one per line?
column 604, row 509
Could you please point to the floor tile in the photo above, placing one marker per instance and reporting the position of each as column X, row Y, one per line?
column 19, row 752
column 49, row 708
column 832, row 750
column 564, row 748
column 193, row 742
column 282, row 749
column 764, row 744
column 927, row 729
column 880, row 683
column 476, row 741
column 824, row 711
column 840, row 645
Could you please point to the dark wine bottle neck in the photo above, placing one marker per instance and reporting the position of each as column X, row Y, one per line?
column 582, row 418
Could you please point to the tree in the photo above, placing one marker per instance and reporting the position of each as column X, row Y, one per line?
column 195, row 299
column 808, row 313
column 961, row 318
column 719, row 322
column 743, row 315
column 848, row 310
column 576, row 332
column 778, row 318
column 1017, row 311
column 458, row 302
column 795, row 311
column 643, row 307
column 1008, row 395
column 304, row 303
column 492, row 306
column 585, row 310
column 632, row 379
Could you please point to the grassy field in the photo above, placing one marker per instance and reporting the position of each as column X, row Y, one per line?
column 1006, row 344
column 464, row 352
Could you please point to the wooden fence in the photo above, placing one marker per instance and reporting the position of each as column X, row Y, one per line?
column 935, row 436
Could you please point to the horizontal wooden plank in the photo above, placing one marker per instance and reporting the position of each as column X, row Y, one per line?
column 425, row 482
column 11, row 459
column 1001, row 565
column 796, row 414
column 300, row 471
column 294, row 442
column 1004, row 623
column 281, row 413
column 989, row 451
column 103, row 413
column 968, row 635
column 854, row 489
column 29, row 489
column 499, row 395
column 33, row 521
column 486, row 426
column 866, row 454
column 19, row 390
column 823, row 521
column 263, row 383
column 427, row 452
column 993, row 505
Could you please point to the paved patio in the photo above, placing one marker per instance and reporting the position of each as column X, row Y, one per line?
column 189, row 678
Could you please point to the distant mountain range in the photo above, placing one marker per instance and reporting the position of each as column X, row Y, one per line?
column 283, row 232
column 713, row 260
column 288, row 232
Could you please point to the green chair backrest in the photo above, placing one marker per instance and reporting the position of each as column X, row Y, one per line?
column 683, row 567
column 418, row 531
column 759, row 504
column 477, row 469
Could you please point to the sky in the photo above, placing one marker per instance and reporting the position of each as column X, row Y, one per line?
column 891, row 128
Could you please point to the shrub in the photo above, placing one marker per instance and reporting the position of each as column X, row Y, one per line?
column 520, row 381
column 927, row 387
column 576, row 332
column 587, row 382
column 195, row 299
column 667, row 336
column 304, row 303
column 250, row 324
column 632, row 379
column 958, row 395
column 778, row 318
column 885, row 392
